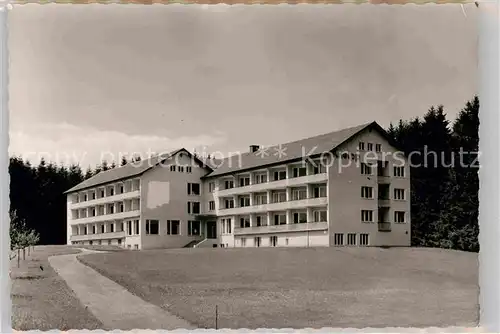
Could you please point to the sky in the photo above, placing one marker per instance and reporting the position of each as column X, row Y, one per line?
column 92, row 82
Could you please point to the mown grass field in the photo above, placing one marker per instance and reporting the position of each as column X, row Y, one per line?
column 302, row 287
column 41, row 299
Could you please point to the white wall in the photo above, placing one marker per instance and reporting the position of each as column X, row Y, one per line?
column 295, row 239
column 164, row 197
column 346, row 203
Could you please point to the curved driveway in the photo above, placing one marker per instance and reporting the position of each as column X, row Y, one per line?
column 109, row 302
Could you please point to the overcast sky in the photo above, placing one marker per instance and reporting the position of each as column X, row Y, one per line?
column 122, row 78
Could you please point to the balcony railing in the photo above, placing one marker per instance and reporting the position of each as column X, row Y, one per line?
column 290, row 182
column 102, row 218
column 384, row 202
column 97, row 236
column 301, row 227
column 106, row 199
column 279, row 206
column 384, row 226
column 384, row 179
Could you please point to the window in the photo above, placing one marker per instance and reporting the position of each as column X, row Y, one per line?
column 256, row 241
column 181, row 169
column 211, row 205
column 193, row 188
column 260, row 199
column 93, row 229
column 85, row 197
column 173, row 227
column 299, row 171
column 121, row 189
column 370, row 147
column 90, row 242
column 112, row 191
column 399, row 216
column 378, row 147
column 152, row 226
column 279, row 197
column 260, row 178
column 338, row 239
column 244, row 181
column 299, row 193
column 366, row 169
column 243, row 242
column 229, row 225
column 229, row 203
column 193, row 227
column 111, row 227
column 363, row 239
column 111, row 208
column 319, row 167
column 399, row 194
column 136, row 222
column 351, row 239
column 286, row 241
column 102, row 193
column 102, row 228
column 367, row 216
column 93, row 212
column 109, row 242
column 244, row 222
column 129, row 227
column 193, row 207
column 211, row 187
column 85, row 230
column 136, row 247
column 299, row 217
column 229, row 184
column 320, row 216
column 279, row 175
column 361, row 146
column 259, row 220
column 244, row 201
column 319, row 191
column 172, row 168
column 120, row 207
column 93, row 195
column 366, row 192
column 226, row 226
column 119, row 241
column 280, row 219
column 399, row 171
column 273, row 241
column 189, row 169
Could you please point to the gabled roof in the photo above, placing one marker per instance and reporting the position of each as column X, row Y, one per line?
column 296, row 150
column 131, row 169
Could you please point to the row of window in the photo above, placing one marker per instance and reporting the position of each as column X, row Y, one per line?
column 367, row 192
column 262, row 177
column 369, row 146
column 173, row 227
column 181, row 169
column 351, row 239
column 278, row 219
column 367, row 216
column 367, row 169
column 120, row 189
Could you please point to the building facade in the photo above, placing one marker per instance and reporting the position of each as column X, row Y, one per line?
column 345, row 188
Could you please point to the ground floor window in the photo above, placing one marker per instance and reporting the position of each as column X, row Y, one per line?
column 338, row 239
column 136, row 227
column 193, row 227
column 351, row 239
column 173, row 227
column 273, row 241
column 363, row 239
column 152, row 226
column 257, row 241
column 136, row 247
column 243, row 242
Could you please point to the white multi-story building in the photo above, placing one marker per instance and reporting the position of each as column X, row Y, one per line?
column 346, row 188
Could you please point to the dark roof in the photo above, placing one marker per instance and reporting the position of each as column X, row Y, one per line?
column 296, row 150
column 131, row 169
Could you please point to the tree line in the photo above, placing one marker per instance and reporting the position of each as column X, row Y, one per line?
column 444, row 182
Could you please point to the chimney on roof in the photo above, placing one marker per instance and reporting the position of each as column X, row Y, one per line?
column 254, row 148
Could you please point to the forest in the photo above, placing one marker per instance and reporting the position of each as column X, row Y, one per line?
column 444, row 182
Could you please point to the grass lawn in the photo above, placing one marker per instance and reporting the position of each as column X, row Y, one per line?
column 302, row 287
column 41, row 299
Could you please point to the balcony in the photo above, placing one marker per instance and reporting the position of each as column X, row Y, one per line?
column 98, row 236
column 321, row 226
column 383, row 179
column 103, row 218
column 384, row 202
column 384, row 227
column 281, row 206
column 107, row 199
column 259, row 187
